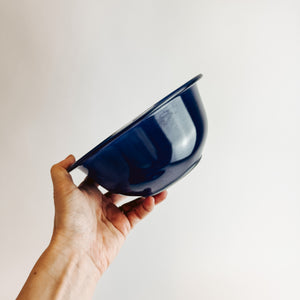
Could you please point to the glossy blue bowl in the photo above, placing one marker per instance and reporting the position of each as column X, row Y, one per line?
column 156, row 149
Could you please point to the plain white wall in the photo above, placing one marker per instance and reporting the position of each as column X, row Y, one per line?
column 72, row 72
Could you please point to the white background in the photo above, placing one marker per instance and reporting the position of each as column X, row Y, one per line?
column 72, row 72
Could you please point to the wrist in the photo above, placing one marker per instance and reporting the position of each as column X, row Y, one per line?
column 62, row 272
column 72, row 270
column 70, row 249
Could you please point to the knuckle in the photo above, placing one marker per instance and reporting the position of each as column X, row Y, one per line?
column 138, row 214
column 147, row 209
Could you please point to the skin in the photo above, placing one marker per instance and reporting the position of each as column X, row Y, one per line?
column 89, row 230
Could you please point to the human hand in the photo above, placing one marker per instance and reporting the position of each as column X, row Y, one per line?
column 91, row 222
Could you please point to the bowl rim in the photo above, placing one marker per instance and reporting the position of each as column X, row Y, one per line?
column 137, row 120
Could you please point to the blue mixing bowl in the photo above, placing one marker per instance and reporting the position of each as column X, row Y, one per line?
column 156, row 149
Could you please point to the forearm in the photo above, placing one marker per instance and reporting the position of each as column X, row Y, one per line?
column 61, row 273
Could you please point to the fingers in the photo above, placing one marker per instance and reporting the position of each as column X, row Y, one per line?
column 138, row 209
column 125, row 217
column 118, row 219
column 114, row 198
column 128, row 215
column 160, row 197
column 62, row 180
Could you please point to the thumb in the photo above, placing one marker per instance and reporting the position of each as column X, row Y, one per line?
column 61, row 179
